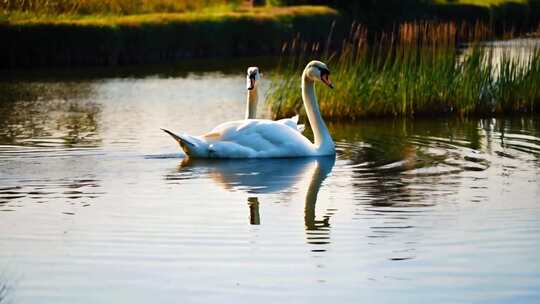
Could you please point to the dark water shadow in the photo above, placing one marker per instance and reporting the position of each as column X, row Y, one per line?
column 179, row 69
column 391, row 157
column 403, row 170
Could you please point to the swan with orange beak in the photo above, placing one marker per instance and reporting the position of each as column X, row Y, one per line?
column 263, row 138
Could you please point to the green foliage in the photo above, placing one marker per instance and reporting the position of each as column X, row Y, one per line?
column 419, row 71
column 153, row 38
column 215, row 14
column 82, row 7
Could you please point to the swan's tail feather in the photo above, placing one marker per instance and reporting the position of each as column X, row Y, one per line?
column 181, row 140
column 188, row 146
column 295, row 118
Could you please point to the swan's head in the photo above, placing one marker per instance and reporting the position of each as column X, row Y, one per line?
column 252, row 77
column 318, row 71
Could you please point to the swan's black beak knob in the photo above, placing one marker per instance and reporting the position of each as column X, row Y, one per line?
column 250, row 82
column 326, row 80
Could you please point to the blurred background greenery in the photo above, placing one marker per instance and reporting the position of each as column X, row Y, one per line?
column 122, row 32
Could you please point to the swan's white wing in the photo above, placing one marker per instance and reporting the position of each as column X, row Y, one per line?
column 257, row 138
column 220, row 132
column 293, row 123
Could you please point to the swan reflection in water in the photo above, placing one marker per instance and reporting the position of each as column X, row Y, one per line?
column 260, row 176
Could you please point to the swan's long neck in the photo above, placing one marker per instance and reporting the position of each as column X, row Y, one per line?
column 251, row 106
column 323, row 141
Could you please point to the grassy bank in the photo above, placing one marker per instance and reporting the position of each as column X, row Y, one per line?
column 420, row 71
column 122, row 7
column 275, row 14
column 502, row 15
column 33, row 40
column 62, row 33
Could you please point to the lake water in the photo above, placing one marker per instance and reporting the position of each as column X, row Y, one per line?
column 97, row 204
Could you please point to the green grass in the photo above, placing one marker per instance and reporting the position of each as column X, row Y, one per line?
column 419, row 71
column 208, row 15
column 124, row 7
column 37, row 40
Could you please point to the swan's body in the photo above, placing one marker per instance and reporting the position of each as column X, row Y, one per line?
column 262, row 138
column 251, row 138
column 252, row 85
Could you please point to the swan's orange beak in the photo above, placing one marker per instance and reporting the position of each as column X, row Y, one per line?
column 326, row 80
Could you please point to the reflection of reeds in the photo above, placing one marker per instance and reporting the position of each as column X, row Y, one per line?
column 418, row 69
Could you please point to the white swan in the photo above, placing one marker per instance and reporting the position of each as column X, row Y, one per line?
column 262, row 138
column 252, row 85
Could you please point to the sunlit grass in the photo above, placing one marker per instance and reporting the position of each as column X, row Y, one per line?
column 418, row 71
column 263, row 13
column 59, row 7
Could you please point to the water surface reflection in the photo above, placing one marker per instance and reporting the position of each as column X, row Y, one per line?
column 48, row 115
column 257, row 176
column 95, row 197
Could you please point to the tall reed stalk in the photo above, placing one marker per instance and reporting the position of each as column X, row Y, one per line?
column 417, row 70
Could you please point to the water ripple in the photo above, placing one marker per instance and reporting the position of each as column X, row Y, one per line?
column 94, row 197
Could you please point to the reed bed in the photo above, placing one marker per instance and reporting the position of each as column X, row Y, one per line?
column 420, row 69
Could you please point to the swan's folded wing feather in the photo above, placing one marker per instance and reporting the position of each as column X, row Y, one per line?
column 283, row 139
column 257, row 138
column 288, row 122
column 229, row 149
column 293, row 123
column 225, row 130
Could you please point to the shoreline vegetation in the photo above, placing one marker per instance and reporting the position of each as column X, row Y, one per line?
column 42, row 40
column 154, row 18
column 399, row 58
column 421, row 70
column 67, row 33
